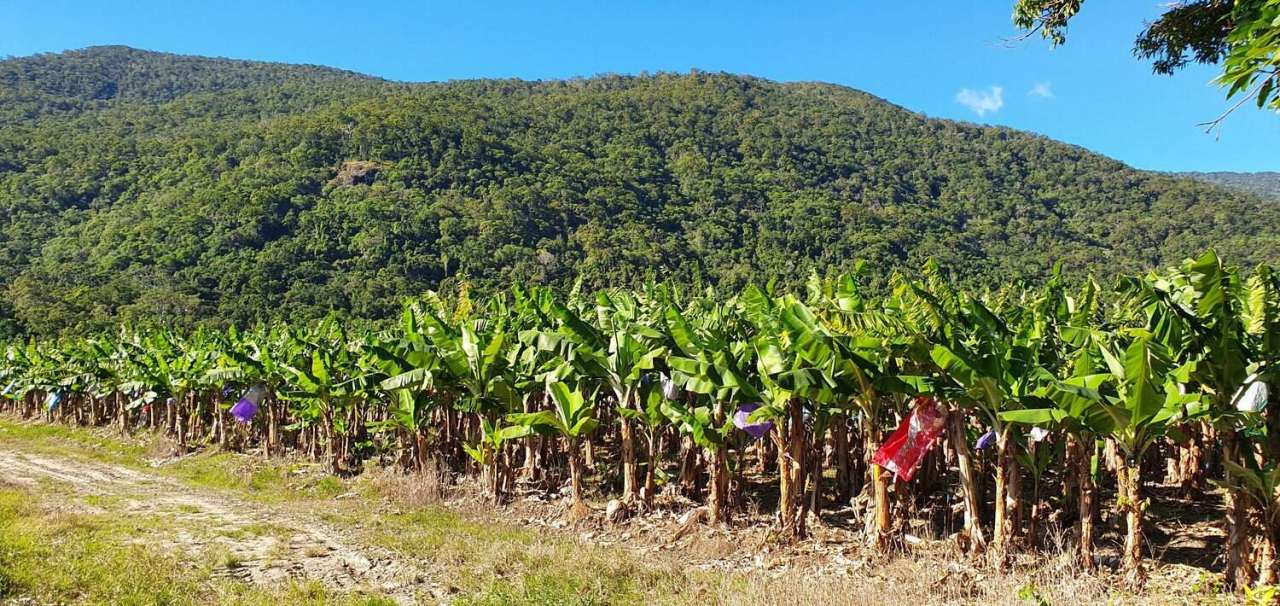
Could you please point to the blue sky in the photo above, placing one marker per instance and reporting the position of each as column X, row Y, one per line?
column 921, row 55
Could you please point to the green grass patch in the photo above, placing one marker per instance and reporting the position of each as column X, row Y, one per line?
column 486, row 562
column 424, row 532
column 493, row 563
column 52, row 556
column 263, row 481
column 102, row 501
column 58, row 557
column 55, row 439
column 256, row 530
column 552, row 590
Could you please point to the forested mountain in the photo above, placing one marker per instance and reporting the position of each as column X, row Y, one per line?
column 1265, row 184
column 139, row 186
column 40, row 86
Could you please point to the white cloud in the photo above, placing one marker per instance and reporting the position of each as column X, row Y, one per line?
column 982, row 102
column 1043, row 90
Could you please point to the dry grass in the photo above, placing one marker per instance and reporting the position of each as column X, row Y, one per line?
column 414, row 490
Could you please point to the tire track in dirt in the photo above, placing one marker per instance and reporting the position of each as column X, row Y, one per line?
column 264, row 544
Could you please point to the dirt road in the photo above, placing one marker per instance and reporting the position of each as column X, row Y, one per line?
column 258, row 543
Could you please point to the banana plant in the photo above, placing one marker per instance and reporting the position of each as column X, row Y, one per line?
column 473, row 353
column 652, row 418
column 621, row 353
column 1146, row 395
column 171, row 369
column 12, row 377
column 537, row 355
column 1201, row 311
column 995, row 367
column 259, row 358
column 415, row 379
column 809, row 368
column 326, row 379
column 865, row 362
column 493, row 438
column 787, row 384
column 711, row 362
column 1073, row 407
column 572, row 417
column 1036, row 456
column 1261, row 485
column 112, row 366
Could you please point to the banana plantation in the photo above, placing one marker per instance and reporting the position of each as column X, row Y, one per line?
column 1052, row 403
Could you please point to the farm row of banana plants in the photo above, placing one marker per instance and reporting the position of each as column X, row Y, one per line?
column 1069, row 391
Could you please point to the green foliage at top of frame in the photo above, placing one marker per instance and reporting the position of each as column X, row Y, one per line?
column 146, row 187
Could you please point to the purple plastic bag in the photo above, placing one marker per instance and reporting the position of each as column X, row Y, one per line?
column 247, row 407
column 742, row 420
column 244, row 410
column 986, row 440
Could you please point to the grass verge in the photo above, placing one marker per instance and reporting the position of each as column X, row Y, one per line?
column 58, row 557
column 55, row 556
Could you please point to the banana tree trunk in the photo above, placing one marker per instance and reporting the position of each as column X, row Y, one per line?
column 272, row 445
column 688, row 467
column 968, row 485
column 330, row 440
column 1003, row 530
column 219, row 426
column 1129, row 485
column 1267, row 573
column 880, row 521
column 421, row 449
column 1033, row 526
column 1189, row 464
column 447, row 435
column 1086, row 498
column 170, row 419
column 123, row 410
column 578, row 505
column 1238, row 573
column 718, row 486
column 840, row 442
column 532, row 445
column 883, row 520
column 765, row 454
column 630, row 470
column 650, row 473
column 814, row 480
column 1013, row 497
column 180, row 421
column 195, row 416
column 789, row 439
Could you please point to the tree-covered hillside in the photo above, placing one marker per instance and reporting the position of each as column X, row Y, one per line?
column 40, row 86
column 1265, row 184
column 226, row 191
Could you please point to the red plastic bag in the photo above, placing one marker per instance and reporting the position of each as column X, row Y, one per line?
column 913, row 439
